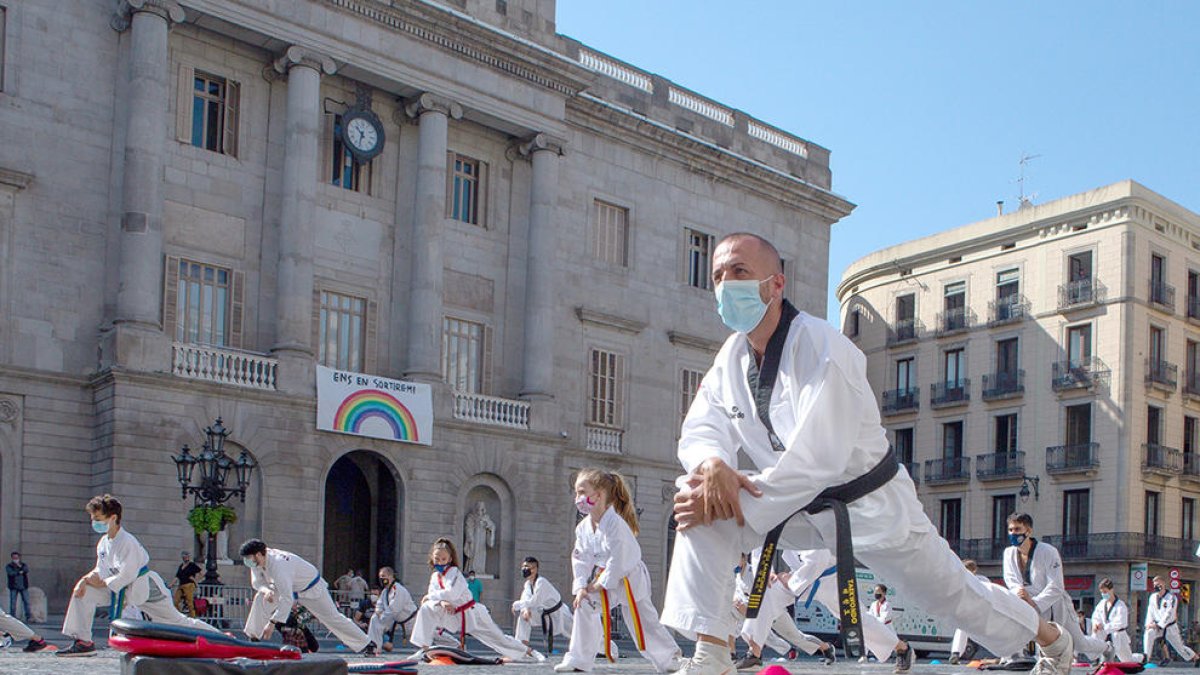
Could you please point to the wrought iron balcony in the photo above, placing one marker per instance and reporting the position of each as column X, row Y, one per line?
column 1161, row 374
column 1193, row 307
column 1080, row 294
column 1081, row 374
column 1162, row 295
column 1161, row 459
column 1079, row 457
column 948, row 470
column 1191, row 466
column 1004, row 384
column 954, row 321
column 946, row 394
column 914, row 470
column 1191, row 383
column 904, row 331
column 980, row 550
column 1009, row 309
column 1112, row 546
column 896, row 401
column 1000, row 465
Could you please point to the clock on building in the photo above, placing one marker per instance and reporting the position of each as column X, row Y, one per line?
column 362, row 133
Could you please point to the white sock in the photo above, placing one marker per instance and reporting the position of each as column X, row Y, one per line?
column 709, row 651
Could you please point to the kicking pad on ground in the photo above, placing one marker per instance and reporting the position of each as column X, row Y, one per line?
column 156, row 665
column 451, row 656
column 143, row 638
column 1015, row 664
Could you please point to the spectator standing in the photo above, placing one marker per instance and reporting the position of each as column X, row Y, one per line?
column 185, row 584
column 358, row 587
column 18, row 584
column 474, row 585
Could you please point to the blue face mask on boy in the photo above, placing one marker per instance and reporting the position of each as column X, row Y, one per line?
column 1017, row 539
column 739, row 304
column 99, row 527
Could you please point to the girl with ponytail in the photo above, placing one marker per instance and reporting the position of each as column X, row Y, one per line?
column 609, row 572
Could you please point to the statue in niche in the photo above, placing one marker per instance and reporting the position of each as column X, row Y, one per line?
column 479, row 535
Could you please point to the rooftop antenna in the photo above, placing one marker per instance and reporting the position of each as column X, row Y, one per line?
column 1023, row 200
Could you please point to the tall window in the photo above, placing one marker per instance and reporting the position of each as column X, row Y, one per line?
column 951, row 520
column 1006, row 434
column 1153, row 425
column 1157, row 349
column 346, row 171
column 1003, row 506
column 1076, row 507
column 1188, row 513
column 906, row 308
column 853, row 323
column 698, row 258
column 606, row 375
column 463, row 348
column 954, row 368
column 952, row 440
column 955, row 301
column 1079, row 424
column 1079, row 266
column 610, row 233
column 202, row 310
column 1151, row 511
column 465, row 190
column 1006, row 359
column 905, row 375
column 342, row 332
column 689, row 384
column 1158, row 273
column 1079, row 345
column 1008, row 286
column 1193, row 295
column 1189, row 435
column 214, row 113
column 1192, row 366
column 904, row 445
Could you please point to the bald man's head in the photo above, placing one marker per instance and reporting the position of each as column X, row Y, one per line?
column 771, row 258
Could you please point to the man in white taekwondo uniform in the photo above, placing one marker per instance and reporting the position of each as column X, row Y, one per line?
column 1033, row 570
column 281, row 579
column 1161, row 618
column 826, row 433
column 540, row 600
column 1110, row 621
column 395, row 605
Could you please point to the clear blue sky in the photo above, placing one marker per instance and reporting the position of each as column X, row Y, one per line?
column 928, row 106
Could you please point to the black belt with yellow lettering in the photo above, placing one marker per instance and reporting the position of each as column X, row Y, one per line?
column 837, row 499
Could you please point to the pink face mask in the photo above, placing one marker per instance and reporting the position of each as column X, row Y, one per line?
column 584, row 504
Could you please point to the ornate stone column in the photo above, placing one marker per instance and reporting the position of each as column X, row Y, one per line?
column 433, row 114
column 302, row 136
column 538, row 372
column 138, row 319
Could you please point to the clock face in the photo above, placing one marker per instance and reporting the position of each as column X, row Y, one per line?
column 362, row 135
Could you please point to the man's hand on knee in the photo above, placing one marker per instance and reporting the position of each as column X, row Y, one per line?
column 712, row 492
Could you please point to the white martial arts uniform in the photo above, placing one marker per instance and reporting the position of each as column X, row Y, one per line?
column 471, row 616
column 1161, row 613
column 958, row 644
column 395, row 604
column 827, row 418
column 1045, row 585
column 1110, row 621
column 539, row 597
column 772, row 615
column 287, row 578
column 122, row 564
column 15, row 627
column 611, row 548
column 882, row 610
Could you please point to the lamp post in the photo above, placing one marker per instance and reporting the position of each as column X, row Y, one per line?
column 1026, row 481
column 210, row 490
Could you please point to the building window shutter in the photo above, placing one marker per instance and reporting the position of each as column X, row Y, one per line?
column 372, row 331
column 487, row 360
column 482, row 194
column 449, row 183
column 170, row 295
column 183, row 103
column 619, row 392
column 233, row 99
column 237, row 311
column 317, row 345
column 325, row 173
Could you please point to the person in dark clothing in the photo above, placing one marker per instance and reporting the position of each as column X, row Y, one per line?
column 18, row 584
column 185, row 585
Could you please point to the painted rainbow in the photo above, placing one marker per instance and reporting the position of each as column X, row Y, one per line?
column 367, row 404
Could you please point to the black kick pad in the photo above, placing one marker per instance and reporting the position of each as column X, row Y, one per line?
column 153, row 665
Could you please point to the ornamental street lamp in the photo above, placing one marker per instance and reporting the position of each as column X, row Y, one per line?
column 210, row 491
column 1026, row 481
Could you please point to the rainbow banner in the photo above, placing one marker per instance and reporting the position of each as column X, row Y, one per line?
column 373, row 406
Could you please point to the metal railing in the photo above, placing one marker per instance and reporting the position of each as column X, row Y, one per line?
column 1191, row 466
column 914, row 470
column 1161, row 459
column 1003, row 384
column 944, row 394
column 700, row 105
column 901, row 400
column 228, row 606
column 1080, row 293
column 1161, row 373
column 954, row 320
column 947, row 470
column 980, row 550
column 1191, row 383
column 603, row 439
column 1111, row 546
column 491, row 410
column 1072, row 458
column 224, row 366
column 1162, row 294
column 998, row 465
column 1081, row 374
column 1008, row 309
column 904, row 331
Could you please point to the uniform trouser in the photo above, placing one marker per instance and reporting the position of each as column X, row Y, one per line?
column 919, row 565
column 315, row 600
column 958, row 645
column 10, row 625
column 785, row 626
column 378, row 626
column 561, row 620
column 878, row 637
column 431, row 616
column 653, row 641
column 1064, row 614
column 185, row 598
column 1119, row 639
column 1172, row 637
column 776, row 644
column 775, row 602
column 147, row 593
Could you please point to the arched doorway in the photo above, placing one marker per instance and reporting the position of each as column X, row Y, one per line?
column 362, row 515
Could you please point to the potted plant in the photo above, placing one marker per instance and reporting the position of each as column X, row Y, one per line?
column 209, row 520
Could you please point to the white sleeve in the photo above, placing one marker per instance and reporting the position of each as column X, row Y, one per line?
column 258, row 580
column 706, row 430
column 580, row 568
column 1054, row 590
column 1012, row 570
column 1151, row 614
column 1169, row 607
column 623, row 555
column 544, row 596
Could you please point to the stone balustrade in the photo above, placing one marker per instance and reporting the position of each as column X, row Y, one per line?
column 224, row 366
column 491, row 410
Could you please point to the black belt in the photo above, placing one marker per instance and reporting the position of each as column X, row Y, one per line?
column 548, row 625
column 838, row 499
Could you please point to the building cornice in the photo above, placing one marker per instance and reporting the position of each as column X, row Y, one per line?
column 705, row 345
column 617, row 323
column 15, row 179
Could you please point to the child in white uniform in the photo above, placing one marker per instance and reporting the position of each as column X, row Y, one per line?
column 17, row 630
column 1110, row 621
column 540, row 600
column 448, row 604
column 1161, row 621
column 395, row 605
column 608, row 571
column 121, row 577
column 772, row 618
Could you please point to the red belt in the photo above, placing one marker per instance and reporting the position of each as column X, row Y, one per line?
column 462, row 634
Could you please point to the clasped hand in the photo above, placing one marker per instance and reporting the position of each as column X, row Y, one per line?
column 712, row 492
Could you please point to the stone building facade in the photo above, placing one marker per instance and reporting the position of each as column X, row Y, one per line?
column 1046, row 360
column 184, row 235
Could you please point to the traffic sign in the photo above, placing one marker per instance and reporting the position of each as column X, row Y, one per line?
column 1174, row 573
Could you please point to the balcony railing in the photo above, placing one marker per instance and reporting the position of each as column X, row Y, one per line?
column 224, row 366
column 1112, row 546
column 1008, row 309
column 1193, row 307
column 1074, row 458
column 1161, row 374
column 954, row 321
column 946, row 394
column 1000, row 465
column 491, row 410
column 904, row 331
column 603, row 439
column 896, row 401
column 1191, row 466
column 1079, row 294
column 1081, row 374
column 1004, row 384
column 980, row 550
column 1162, row 295
column 948, row 470
column 1191, row 383
column 1161, row 459
column 914, row 470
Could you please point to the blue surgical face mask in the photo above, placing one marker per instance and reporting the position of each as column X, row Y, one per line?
column 99, row 527
column 737, row 570
column 250, row 562
column 739, row 304
column 1017, row 539
column 441, row 569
